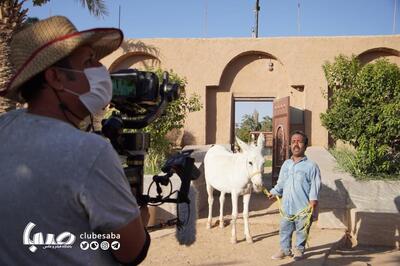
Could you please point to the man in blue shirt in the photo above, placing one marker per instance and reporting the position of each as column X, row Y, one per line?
column 298, row 184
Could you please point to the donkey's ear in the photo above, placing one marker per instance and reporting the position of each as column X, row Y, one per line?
column 261, row 141
column 243, row 146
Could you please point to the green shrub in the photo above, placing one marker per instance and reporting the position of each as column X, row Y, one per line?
column 347, row 161
column 268, row 163
column 173, row 118
column 365, row 112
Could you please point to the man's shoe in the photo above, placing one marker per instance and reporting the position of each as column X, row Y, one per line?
column 298, row 255
column 281, row 254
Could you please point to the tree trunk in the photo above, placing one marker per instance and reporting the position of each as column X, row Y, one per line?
column 11, row 18
column 5, row 72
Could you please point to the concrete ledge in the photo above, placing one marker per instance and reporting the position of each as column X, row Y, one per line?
column 368, row 209
column 376, row 228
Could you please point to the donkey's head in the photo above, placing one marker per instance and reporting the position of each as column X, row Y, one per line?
column 254, row 161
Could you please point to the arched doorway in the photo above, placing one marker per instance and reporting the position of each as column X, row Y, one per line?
column 248, row 75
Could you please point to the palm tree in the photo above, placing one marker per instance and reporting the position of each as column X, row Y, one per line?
column 13, row 16
column 266, row 123
column 249, row 123
column 95, row 7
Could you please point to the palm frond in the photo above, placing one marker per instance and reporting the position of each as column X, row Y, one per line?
column 95, row 7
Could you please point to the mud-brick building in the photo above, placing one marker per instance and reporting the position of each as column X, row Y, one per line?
column 287, row 71
column 222, row 71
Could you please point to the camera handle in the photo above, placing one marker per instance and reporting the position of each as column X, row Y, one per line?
column 147, row 119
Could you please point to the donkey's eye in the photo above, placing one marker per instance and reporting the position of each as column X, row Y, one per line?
column 251, row 163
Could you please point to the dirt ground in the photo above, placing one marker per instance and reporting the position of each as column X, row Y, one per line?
column 212, row 247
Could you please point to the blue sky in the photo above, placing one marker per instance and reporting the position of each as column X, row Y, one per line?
column 243, row 108
column 234, row 18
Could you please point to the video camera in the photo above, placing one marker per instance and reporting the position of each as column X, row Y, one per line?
column 140, row 99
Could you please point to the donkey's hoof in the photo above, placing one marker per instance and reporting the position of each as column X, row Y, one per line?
column 233, row 240
column 221, row 225
column 208, row 226
column 249, row 239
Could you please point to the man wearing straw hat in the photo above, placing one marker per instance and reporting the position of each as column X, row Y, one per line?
column 64, row 196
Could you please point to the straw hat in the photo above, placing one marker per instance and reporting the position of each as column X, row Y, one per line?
column 37, row 47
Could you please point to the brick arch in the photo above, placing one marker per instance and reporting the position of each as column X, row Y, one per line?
column 379, row 52
column 139, row 60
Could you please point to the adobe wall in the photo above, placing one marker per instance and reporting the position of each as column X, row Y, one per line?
column 219, row 70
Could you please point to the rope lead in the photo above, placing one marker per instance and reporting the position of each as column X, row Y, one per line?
column 307, row 212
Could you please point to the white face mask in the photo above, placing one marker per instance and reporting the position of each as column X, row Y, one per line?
column 100, row 92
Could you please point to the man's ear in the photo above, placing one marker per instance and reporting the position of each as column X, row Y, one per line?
column 52, row 77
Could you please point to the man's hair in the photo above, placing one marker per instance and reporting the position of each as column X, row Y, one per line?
column 301, row 133
column 31, row 89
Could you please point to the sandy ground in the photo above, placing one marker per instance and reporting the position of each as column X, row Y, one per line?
column 213, row 247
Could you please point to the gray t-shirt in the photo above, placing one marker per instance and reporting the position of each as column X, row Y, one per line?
column 56, row 180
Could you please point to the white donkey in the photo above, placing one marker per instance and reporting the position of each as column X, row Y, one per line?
column 235, row 173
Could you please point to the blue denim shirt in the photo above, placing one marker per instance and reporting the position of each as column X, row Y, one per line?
column 298, row 183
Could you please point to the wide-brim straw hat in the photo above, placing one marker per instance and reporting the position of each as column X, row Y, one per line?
column 40, row 45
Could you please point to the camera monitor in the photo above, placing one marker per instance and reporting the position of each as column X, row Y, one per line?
column 134, row 86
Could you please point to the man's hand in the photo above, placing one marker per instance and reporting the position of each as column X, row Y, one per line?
column 314, row 205
column 271, row 196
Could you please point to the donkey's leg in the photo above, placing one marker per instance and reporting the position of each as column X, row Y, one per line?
column 210, row 191
column 234, row 196
column 221, row 209
column 246, row 200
